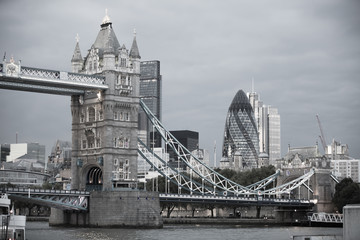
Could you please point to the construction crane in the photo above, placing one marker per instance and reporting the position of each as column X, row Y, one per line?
column 322, row 137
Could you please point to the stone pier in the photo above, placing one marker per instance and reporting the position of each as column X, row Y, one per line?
column 128, row 209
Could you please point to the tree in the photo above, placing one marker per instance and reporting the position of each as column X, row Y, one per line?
column 346, row 192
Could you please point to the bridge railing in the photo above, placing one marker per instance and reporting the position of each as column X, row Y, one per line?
column 44, row 191
column 12, row 69
column 229, row 199
column 326, row 217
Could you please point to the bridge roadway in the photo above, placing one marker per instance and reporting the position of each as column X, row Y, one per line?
column 229, row 200
column 78, row 200
column 16, row 77
column 62, row 199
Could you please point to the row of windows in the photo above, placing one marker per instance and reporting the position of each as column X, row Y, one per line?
column 121, row 169
column 92, row 116
column 91, row 143
column 122, row 116
column 96, row 143
column 121, row 142
column 123, row 80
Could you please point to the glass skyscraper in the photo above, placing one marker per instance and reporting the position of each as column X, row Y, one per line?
column 150, row 94
column 267, row 121
column 240, row 134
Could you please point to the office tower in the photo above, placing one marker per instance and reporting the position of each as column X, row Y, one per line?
column 150, row 94
column 267, row 121
column 189, row 139
column 240, row 134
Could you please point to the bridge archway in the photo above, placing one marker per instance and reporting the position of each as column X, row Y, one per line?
column 94, row 179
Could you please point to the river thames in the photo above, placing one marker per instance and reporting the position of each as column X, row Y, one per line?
column 42, row 231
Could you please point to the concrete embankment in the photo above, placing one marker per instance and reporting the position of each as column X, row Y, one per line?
column 225, row 221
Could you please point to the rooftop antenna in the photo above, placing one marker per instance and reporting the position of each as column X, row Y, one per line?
column 252, row 85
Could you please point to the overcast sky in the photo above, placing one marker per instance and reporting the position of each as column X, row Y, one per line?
column 304, row 57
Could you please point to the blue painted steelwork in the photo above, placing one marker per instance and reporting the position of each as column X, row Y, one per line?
column 219, row 183
column 66, row 200
column 226, row 200
column 15, row 77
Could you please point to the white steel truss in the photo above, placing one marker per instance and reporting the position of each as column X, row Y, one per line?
column 326, row 217
column 220, row 184
column 171, row 174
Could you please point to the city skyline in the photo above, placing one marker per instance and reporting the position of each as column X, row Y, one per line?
column 304, row 57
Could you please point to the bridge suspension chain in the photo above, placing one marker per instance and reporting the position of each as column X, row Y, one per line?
column 221, row 184
column 288, row 187
column 172, row 174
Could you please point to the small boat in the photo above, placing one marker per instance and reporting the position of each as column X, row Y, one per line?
column 12, row 226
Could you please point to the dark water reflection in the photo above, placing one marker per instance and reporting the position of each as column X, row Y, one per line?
column 42, row 231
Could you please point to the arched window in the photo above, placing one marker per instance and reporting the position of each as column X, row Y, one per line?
column 126, row 142
column 121, row 142
column 91, row 112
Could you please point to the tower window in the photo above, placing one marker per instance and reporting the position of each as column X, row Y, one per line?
column 91, row 114
column 123, row 62
column 121, row 142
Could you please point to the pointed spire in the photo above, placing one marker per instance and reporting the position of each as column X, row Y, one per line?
column 134, row 51
column 106, row 19
column 77, row 53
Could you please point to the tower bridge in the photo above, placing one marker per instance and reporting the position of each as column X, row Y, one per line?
column 104, row 90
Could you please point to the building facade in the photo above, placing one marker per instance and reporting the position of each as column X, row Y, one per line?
column 349, row 168
column 150, row 94
column 32, row 151
column 190, row 140
column 105, row 123
column 240, row 134
column 337, row 151
column 267, row 121
column 4, row 151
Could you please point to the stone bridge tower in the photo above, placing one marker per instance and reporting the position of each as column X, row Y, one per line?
column 299, row 161
column 104, row 124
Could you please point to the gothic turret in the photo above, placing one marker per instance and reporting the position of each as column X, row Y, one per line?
column 135, row 55
column 77, row 60
column 134, row 51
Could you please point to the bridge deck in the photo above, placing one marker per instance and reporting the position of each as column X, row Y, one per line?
column 15, row 77
column 184, row 198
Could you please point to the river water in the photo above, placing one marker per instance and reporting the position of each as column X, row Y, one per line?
column 42, row 231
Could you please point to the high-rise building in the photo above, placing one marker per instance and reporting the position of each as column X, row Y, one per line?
column 267, row 121
column 240, row 135
column 150, row 94
column 4, row 151
column 189, row 139
column 349, row 168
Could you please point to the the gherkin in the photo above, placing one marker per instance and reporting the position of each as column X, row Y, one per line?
column 240, row 134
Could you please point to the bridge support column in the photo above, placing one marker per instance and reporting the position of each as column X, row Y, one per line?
column 60, row 217
column 258, row 209
column 127, row 208
column 131, row 208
